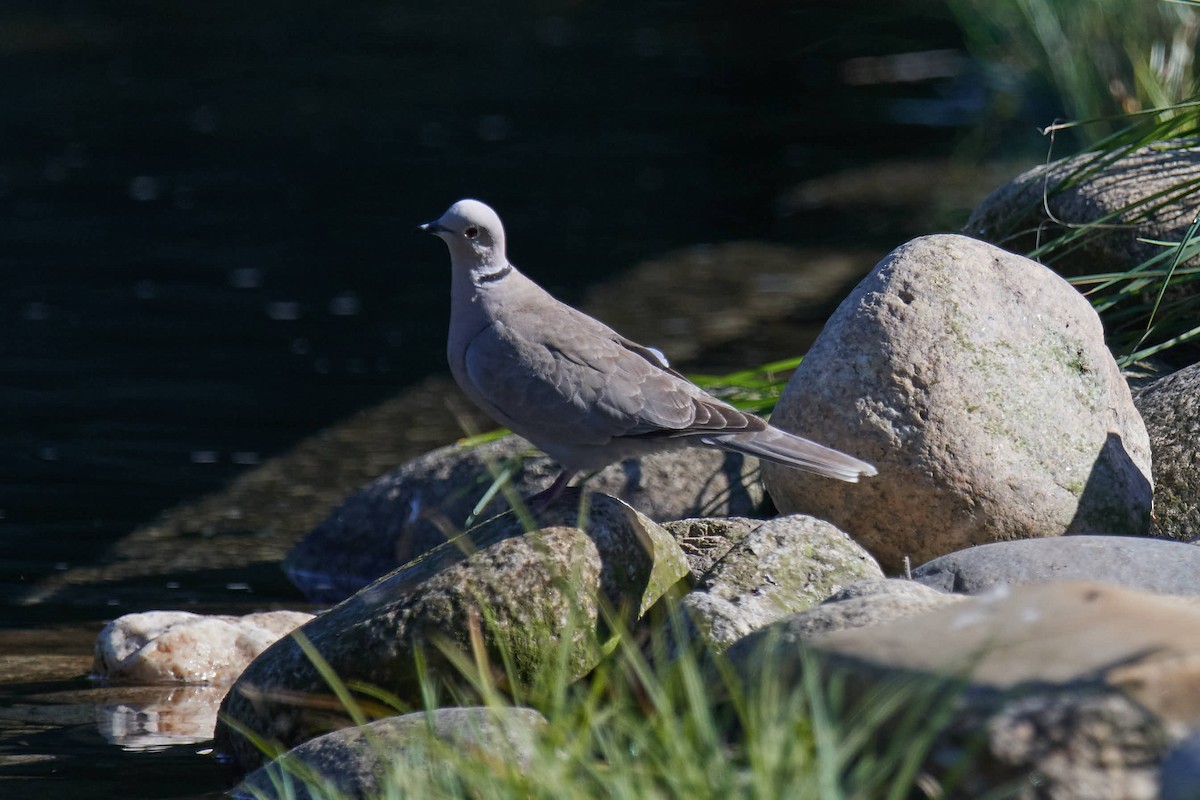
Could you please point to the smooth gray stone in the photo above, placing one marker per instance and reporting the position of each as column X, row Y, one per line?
column 1155, row 565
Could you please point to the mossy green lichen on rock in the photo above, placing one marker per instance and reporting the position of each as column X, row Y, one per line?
column 521, row 596
column 785, row 565
column 1018, row 398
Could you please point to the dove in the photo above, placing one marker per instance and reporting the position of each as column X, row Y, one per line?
column 578, row 390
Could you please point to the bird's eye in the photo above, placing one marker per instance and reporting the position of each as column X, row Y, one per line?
column 471, row 232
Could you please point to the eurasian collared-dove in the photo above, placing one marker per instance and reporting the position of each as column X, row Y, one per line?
column 577, row 389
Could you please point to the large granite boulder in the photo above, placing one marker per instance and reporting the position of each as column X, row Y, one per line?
column 978, row 382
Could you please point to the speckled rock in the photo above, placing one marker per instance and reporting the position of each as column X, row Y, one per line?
column 979, row 383
column 420, row 505
column 1089, row 742
column 784, row 565
column 1153, row 565
column 707, row 540
column 355, row 761
column 182, row 647
column 528, row 594
column 1170, row 407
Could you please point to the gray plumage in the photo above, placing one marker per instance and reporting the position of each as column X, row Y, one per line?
column 577, row 389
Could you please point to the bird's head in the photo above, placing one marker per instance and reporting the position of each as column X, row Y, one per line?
column 474, row 234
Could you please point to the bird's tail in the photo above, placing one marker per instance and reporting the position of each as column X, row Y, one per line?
column 775, row 445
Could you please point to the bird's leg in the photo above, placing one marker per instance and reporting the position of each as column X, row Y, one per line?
column 528, row 510
column 543, row 499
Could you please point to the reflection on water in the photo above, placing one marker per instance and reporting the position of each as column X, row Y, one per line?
column 63, row 736
column 206, row 253
column 153, row 718
column 136, row 718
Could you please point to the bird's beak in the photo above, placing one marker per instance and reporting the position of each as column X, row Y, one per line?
column 431, row 227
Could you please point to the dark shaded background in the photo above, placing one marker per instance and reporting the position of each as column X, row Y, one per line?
column 207, row 211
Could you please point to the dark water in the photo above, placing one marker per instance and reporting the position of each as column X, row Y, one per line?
column 207, row 245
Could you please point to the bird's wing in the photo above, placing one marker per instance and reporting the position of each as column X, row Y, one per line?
column 574, row 380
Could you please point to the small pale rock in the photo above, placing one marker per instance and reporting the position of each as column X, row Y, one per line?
column 1153, row 565
column 182, row 647
column 979, row 383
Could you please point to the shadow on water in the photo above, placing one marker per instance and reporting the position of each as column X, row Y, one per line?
column 206, row 218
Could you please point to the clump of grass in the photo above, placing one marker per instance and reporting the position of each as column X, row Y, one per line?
column 1141, row 321
column 650, row 722
column 756, row 390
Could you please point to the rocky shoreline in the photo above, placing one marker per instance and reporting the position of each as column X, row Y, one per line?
column 1017, row 472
